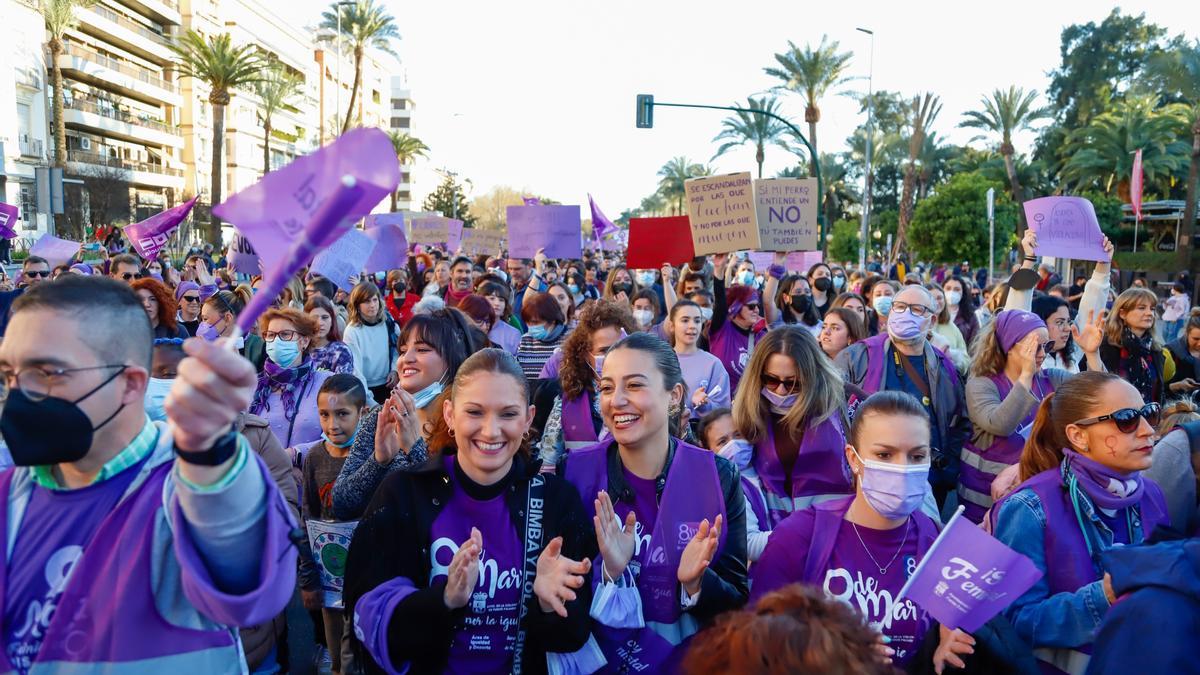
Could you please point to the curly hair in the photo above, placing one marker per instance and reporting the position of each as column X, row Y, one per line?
column 166, row 302
column 575, row 371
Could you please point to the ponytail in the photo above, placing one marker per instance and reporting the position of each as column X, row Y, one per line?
column 1044, row 448
column 1075, row 399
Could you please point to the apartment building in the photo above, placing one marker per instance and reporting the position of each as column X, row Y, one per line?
column 401, row 115
column 25, row 141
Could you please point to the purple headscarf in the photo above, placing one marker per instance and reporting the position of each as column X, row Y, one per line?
column 1012, row 325
column 184, row 287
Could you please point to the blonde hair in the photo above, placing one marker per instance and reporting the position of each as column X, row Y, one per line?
column 821, row 393
column 987, row 358
column 1114, row 326
column 1175, row 413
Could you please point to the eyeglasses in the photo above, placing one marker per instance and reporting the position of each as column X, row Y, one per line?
column 1126, row 419
column 38, row 273
column 285, row 335
column 191, row 298
column 752, row 306
column 915, row 310
column 790, row 384
column 36, row 382
column 131, row 275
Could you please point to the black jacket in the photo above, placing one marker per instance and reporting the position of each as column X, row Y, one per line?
column 1110, row 355
column 393, row 540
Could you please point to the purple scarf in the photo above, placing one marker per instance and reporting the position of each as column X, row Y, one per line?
column 1107, row 488
column 290, row 381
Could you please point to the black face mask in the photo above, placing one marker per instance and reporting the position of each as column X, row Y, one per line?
column 50, row 431
column 823, row 284
column 622, row 288
column 801, row 303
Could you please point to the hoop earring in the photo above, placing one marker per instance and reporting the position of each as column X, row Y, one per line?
column 450, row 431
column 527, row 435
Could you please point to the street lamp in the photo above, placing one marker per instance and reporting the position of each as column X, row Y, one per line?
column 866, row 205
column 338, row 46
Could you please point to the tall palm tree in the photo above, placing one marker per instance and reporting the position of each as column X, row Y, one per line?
column 672, row 176
column 812, row 73
column 363, row 24
column 407, row 148
column 1004, row 114
column 216, row 62
column 60, row 17
column 934, row 163
column 761, row 130
column 923, row 111
column 1179, row 70
column 653, row 205
column 1101, row 153
column 274, row 91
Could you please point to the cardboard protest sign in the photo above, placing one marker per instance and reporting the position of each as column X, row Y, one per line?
column 968, row 576
column 330, row 542
column 787, row 214
column 723, row 213
column 1066, row 227
column 554, row 227
column 56, row 251
column 150, row 235
column 454, row 240
column 343, row 261
column 242, row 256
column 8, row 220
column 761, row 259
column 391, row 246
column 654, row 242
column 482, row 242
column 435, row 230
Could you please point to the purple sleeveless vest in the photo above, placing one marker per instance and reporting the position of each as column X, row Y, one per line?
column 827, row 520
column 876, row 353
column 820, row 468
column 981, row 466
column 577, row 428
column 729, row 345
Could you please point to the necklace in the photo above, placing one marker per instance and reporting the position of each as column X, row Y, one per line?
column 883, row 568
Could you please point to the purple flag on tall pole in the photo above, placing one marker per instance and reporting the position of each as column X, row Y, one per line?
column 967, row 576
column 149, row 236
column 600, row 222
column 8, row 220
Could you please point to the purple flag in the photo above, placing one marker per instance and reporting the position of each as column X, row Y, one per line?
column 8, row 220
column 531, row 201
column 554, row 228
column 343, row 261
column 1066, row 227
column 968, row 577
column 391, row 246
column 242, row 256
column 56, row 251
column 600, row 222
column 149, row 236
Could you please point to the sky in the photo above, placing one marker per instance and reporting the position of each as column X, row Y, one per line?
column 540, row 94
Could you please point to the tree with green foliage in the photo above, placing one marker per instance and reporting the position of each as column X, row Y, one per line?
column 951, row 224
column 672, row 177
column 363, row 24
column 450, row 200
column 812, row 73
column 758, row 130
column 843, row 240
column 60, row 17
column 1101, row 153
column 1179, row 73
column 277, row 88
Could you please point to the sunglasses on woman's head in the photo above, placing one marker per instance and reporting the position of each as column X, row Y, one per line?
column 1126, row 419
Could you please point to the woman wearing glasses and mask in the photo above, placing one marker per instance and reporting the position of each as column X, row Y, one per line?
column 1082, row 494
column 287, row 388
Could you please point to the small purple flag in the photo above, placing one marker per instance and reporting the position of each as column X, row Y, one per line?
column 531, row 201
column 552, row 227
column 149, row 236
column 56, row 251
column 967, row 576
column 8, row 220
column 600, row 222
column 391, row 246
column 343, row 261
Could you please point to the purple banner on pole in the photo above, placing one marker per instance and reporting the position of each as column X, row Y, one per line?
column 56, row 251
column 968, row 576
column 1066, row 227
column 8, row 220
column 600, row 222
column 552, row 227
column 150, row 235
column 342, row 261
column 391, row 246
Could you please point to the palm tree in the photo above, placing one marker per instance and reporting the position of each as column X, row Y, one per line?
column 1179, row 70
column 934, row 163
column 407, row 148
column 672, row 176
column 924, row 110
column 1005, row 113
column 363, row 24
column 1101, row 153
column 274, row 91
column 60, row 17
column 811, row 73
column 761, row 130
column 653, row 205
column 223, row 67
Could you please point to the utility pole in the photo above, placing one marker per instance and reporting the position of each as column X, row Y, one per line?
column 866, row 203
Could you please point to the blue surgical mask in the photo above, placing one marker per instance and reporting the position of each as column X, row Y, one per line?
column 156, row 395
column 706, row 313
column 882, row 305
column 285, row 354
column 573, row 288
column 894, row 490
column 839, row 283
column 538, row 332
column 739, row 451
column 745, row 278
column 645, row 278
column 348, row 443
column 428, row 394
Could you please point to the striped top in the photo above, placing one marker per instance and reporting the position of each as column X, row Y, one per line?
column 532, row 353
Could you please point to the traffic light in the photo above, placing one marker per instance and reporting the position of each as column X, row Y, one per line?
column 645, row 111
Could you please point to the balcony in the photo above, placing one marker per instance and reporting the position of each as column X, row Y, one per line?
column 31, row 147
column 140, row 173
column 165, row 12
column 133, row 81
column 126, row 33
column 105, row 119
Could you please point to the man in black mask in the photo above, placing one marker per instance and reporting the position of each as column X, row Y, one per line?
column 123, row 532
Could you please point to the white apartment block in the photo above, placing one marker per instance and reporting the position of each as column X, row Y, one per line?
column 401, row 115
column 25, row 141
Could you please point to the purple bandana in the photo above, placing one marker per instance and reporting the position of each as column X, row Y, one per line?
column 1107, row 488
column 184, row 287
column 1012, row 325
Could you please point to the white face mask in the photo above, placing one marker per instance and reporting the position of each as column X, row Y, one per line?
column 643, row 316
column 706, row 313
column 953, row 298
column 156, row 394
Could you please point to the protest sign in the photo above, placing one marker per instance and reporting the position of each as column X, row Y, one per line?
column 242, row 256
column 150, row 235
column 968, row 576
column 722, row 212
column 330, row 542
column 654, row 242
column 56, row 251
column 391, row 246
column 482, row 242
column 342, row 262
column 761, row 259
column 454, row 240
column 555, row 228
column 435, row 230
column 787, row 214
column 1066, row 227
column 801, row 261
column 8, row 220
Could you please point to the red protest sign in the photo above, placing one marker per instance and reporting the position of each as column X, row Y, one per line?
column 655, row 241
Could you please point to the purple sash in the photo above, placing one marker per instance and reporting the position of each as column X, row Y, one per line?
column 820, row 468
column 577, row 427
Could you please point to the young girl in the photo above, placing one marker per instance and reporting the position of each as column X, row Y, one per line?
column 371, row 336
column 474, row 562
column 842, row 328
column 703, row 373
column 669, row 517
column 718, row 434
column 861, row 549
column 328, row 350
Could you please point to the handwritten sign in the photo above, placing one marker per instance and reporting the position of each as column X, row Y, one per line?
column 1066, row 227
column 554, row 227
column 654, row 242
column 391, row 246
column 56, row 251
column 330, row 542
column 242, row 256
column 8, row 220
column 482, row 242
column 723, row 213
column 435, row 230
column 343, row 261
column 787, row 214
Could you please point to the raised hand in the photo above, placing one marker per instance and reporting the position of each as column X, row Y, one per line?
column 214, row 385
column 1092, row 335
column 557, row 578
column 464, row 571
column 398, row 428
column 616, row 544
column 1025, row 354
column 699, row 397
column 1029, row 243
column 698, row 555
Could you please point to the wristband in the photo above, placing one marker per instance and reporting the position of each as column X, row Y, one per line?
column 220, row 452
column 1030, row 258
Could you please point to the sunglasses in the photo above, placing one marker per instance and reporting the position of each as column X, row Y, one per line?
column 191, row 298
column 128, row 275
column 752, row 306
column 1126, row 419
column 1047, row 346
column 38, row 273
column 790, row 384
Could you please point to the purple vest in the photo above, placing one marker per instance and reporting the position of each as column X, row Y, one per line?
column 876, row 353
column 981, row 466
column 820, row 469
column 733, row 349
column 577, row 427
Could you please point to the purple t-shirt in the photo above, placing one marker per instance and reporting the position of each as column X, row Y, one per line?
column 854, row 578
column 485, row 642
column 56, row 529
column 645, row 505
